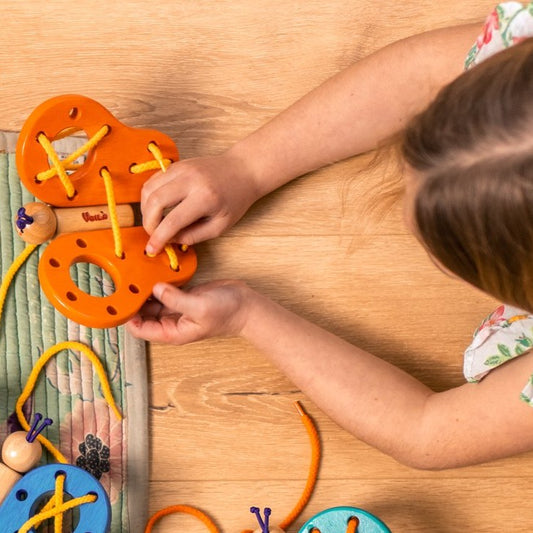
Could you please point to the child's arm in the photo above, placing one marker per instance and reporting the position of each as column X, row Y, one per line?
column 375, row 401
column 347, row 115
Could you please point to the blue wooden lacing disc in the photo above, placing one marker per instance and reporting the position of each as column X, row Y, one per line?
column 32, row 491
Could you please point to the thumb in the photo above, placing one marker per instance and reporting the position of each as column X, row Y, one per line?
column 171, row 297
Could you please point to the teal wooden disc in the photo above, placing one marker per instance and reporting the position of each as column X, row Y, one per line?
column 335, row 520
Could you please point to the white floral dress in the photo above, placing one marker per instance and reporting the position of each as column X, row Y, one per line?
column 507, row 332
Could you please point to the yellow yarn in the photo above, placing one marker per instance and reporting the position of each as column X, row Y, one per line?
column 55, row 508
column 58, row 502
column 162, row 163
column 110, row 194
column 158, row 156
column 57, row 165
column 66, row 163
column 13, row 269
column 59, row 168
column 34, row 375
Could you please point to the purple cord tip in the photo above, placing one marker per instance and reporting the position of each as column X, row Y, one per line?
column 264, row 525
column 23, row 219
column 35, row 431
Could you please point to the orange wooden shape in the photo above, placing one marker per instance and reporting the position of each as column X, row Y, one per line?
column 117, row 151
column 134, row 275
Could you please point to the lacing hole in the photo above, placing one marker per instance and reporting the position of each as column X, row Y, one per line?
column 134, row 289
column 111, row 310
column 73, row 113
column 21, row 495
column 71, row 296
column 37, row 180
column 54, row 262
column 81, row 243
column 60, row 473
column 70, row 198
column 131, row 167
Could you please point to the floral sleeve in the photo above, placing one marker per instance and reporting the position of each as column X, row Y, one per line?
column 508, row 24
column 505, row 334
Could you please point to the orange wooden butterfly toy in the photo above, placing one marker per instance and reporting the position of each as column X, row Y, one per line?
column 80, row 198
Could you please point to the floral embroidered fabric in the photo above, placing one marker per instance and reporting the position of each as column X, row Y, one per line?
column 509, row 23
column 507, row 332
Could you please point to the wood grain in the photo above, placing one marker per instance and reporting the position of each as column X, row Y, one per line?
column 224, row 432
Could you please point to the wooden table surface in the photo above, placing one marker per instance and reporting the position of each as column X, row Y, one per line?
column 224, row 432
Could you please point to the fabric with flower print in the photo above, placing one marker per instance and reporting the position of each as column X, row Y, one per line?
column 505, row 334
column 85, row 430
column 509, row 24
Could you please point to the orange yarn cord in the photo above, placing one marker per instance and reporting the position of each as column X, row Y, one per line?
column 182, row 509
column 293, row 515
column 316, row 453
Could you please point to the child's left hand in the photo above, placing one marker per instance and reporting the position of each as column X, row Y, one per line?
column 180, row 317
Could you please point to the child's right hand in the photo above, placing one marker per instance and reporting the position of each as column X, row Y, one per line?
column 205, row 197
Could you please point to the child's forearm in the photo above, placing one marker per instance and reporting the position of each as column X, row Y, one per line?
column 356, row 109
column 375, row 401
column 386, row 407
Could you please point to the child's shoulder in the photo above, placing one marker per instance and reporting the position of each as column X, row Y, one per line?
column 508, row 24
column 505, row 334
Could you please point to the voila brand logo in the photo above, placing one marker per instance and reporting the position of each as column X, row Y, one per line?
column 94, row 217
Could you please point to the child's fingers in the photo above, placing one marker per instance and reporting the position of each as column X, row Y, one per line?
column 202, row 230
column 182, row 216
column 175, row 299
column 153, row 205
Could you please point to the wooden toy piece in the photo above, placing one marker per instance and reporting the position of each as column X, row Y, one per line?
column 133, row 275
column 34, row 491
column 37, row 223
column 119, row 161
column 20, row 452
column 343, row 520
column 119, row 150
column 8, row 478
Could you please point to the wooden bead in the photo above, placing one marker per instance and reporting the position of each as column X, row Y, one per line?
column 8, row 478
column 19, row 454
column 44, row 224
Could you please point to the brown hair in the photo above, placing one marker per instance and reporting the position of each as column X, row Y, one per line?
column 471, row 152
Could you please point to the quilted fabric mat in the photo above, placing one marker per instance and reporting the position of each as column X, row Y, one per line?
column 84, row 429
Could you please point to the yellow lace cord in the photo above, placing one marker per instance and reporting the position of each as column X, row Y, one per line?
column 163, row 164
column 13, row 269
column 59, row 168
column 34, row 375
column 56, row 508
column 110, row 194
column 65, row 164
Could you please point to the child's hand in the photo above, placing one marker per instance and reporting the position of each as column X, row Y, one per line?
column 205, row 197
column 179, row 317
